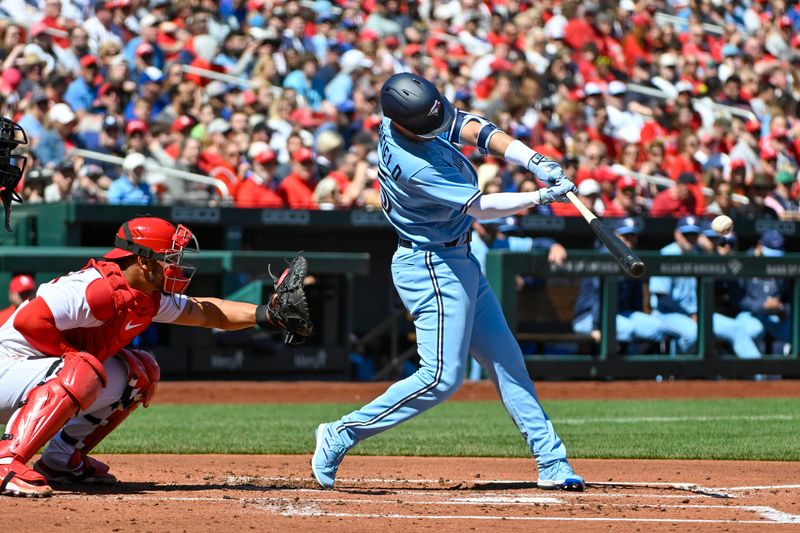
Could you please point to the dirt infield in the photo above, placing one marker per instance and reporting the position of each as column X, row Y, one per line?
column 318, row 391
column 169, row 493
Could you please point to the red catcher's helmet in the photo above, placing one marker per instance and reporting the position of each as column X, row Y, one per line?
column 155, row 238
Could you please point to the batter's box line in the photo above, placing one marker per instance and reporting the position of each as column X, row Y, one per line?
column 687, row 487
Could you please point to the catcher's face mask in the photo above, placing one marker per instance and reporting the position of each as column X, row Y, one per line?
column 178, row 274
column 12, row 166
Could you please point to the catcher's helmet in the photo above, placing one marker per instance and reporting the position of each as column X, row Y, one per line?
column 155, row 238
column 417, row 105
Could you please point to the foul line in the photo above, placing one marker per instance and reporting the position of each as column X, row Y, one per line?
column 639, row 419
column 520, row 518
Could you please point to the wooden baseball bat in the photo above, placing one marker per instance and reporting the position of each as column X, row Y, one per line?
column 629, row 261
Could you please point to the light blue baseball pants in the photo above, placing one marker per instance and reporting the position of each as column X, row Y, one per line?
column 455, row 312
column 740, row 332
column 630, row 325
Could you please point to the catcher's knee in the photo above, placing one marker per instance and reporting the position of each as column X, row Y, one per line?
column 143, row 376
column 83, row 377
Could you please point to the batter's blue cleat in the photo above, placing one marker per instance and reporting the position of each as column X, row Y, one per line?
column 328, row 454
column 559, row 475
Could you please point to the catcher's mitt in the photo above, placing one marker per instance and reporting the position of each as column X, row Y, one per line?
column 287, row 306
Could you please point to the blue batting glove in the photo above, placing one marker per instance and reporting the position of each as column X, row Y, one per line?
column 557, row 193
column 547, row 171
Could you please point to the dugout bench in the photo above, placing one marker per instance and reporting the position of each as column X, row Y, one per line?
column 502, row 266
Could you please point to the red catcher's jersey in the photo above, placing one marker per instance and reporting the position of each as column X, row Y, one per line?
column 93, row 310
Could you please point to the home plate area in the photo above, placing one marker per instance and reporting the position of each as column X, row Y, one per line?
column 504, row 501
column 198, row 493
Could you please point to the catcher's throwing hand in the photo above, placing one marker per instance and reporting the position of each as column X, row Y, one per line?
column 287, row 307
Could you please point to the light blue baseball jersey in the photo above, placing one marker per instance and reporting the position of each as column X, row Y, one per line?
column 426, row 187
column 683, row 290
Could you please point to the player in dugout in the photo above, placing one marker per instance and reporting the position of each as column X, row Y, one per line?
column 22, row 287
column 66, row 376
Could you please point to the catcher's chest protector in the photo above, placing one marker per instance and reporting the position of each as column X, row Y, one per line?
column 125, row 311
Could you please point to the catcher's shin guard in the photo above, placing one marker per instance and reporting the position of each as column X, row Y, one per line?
column 47, row 407
column 51, row 404
column 143, row 376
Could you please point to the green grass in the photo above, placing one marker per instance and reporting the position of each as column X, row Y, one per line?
column 741, row 429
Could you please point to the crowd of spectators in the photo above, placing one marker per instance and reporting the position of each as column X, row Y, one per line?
column 279, row 100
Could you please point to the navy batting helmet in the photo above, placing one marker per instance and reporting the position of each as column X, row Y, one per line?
column 416, row 104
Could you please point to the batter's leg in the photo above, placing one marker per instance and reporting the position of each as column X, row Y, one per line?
column 439, row 290
column 496, row 348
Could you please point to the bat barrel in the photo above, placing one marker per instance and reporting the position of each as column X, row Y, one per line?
column 629, row 261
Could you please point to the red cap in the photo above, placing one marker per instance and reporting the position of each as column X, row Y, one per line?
column 302, row 155
column 135, row 126
column 267, row 156
column 785, row 22
column 795, row 42
column 411, row 49
column 768, row 152
column 372, row 122
column 627, row 182
column 368, row 35
column 144, row 48
column 391, row 41
column 779, row 132
column 605, row 174
column 22, row 283
column 737, row 163
column 500, row 65
column 106, row 88
column 640, row 19
column 88, row 60
column 752, row 126
column 181, row 123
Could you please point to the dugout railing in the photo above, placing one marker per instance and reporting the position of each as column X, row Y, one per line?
column 503, row 267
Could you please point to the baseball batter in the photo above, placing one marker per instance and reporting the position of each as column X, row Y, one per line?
column 65, row 374
column 430, row 194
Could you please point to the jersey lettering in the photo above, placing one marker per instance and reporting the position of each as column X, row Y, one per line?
column 386, row 156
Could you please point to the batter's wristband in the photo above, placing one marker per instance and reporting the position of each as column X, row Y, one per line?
column 262, row 316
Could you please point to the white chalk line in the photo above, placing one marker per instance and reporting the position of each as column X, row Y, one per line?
column 519, row 518
column 758, row 487
column 640, row 419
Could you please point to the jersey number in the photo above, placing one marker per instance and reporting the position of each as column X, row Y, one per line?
column 385, row 203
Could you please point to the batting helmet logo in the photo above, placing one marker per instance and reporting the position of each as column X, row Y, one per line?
column 434, row 112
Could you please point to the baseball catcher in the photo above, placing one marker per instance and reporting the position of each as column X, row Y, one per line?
column 66, row 376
